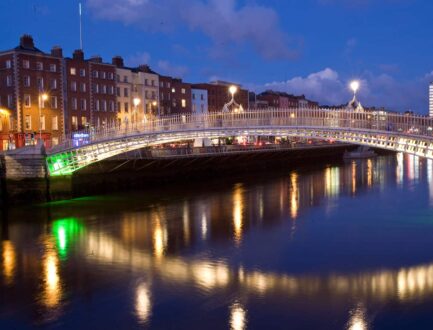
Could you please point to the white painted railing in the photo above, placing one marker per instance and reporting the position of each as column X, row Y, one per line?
column 324, row 118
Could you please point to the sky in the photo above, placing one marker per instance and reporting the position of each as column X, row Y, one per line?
column 310, row 47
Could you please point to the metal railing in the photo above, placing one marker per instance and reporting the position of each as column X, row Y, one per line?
column 320, row 118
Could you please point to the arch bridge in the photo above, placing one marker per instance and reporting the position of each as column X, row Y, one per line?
column 391, row 131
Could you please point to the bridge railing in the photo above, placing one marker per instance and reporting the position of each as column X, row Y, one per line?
column 296, row 117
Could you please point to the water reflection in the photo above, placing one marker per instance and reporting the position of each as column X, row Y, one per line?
column 210, row 246
column 238, row 318
column 143, row 303
column 9, row 262
column 358, row 320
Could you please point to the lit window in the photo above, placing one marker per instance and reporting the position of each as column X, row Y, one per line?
column 173, row 90
column 28, row 122
column 55, row 123
column 183, row 103
column 74, row 123
column 8, row 64
column 183, row 90
column 39, row 66
column 73, row 71
column 84, row 121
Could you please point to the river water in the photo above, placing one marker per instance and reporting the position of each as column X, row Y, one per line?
column 337, row 246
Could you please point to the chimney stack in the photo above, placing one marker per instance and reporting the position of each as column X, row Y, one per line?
column 78, row 55
column 57, row 51
column 117, row 61
column 26, row 41
column 96, row 59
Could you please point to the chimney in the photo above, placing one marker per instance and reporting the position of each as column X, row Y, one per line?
column 78, row 55
column 144, row 68
column 117, row 61
column 96, row 59
column 56, row 51
column 26, row 41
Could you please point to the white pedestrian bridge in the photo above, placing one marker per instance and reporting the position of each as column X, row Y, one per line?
column 412, row 134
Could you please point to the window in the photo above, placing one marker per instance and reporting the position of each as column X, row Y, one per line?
column 73, row 71
column 183, row 91
column 39, row 66
column 161, row 84
column 97, row 88
column 28, row 122
column 8, row 64
column 117, row 77
column 104, row 89
column 53, row 102
column 183, row 103
column 1, row 125
column 84, row 120
column 97, row 105
column 153, row 95
column 42, row 122
column 10, row 101
column 96, row 74
column 125, row 92
column 146, row 94
column 26, row 81
column 55, row 123
column 27, row 101
column 162, row 96
column 202, row 97
column 103, row 74
column 26, row 64
column 168, row 85
column 74, row 123
column 194, row 107
column 111, row 90
column 125, row 79
column 126, row 106
column 55, row 141
column 111, row 75
column 104, row 105
column 73, row 86
column 74, row 103
column 111, row 107
column 146, row 82
column 83, row 104
column 53, row 68
column 83, row 87
column 40, row 83
column 118, row 106
column 82, row 72
column 153, row 82
column 202, row 107
column 9, row 81
column 54, row 84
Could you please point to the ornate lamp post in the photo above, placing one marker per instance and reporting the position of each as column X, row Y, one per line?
column 136, row 101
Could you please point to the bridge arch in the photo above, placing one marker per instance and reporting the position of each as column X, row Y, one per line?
column 408, row 134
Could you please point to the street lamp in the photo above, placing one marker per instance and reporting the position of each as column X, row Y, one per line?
column 42, row 98
column 155, row 104
column 233, row 89
column 136, row 101
column 354, row 86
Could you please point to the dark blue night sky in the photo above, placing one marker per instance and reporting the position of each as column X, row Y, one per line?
column 311, row 47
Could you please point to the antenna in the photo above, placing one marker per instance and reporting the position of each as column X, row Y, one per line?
column 81, row 26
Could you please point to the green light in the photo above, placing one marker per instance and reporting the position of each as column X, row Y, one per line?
column 66, row 231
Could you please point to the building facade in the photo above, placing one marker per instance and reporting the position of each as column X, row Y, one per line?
column 175, row 96
column 199, row 102
column 218, row 94
column 282, row 100
column 31, row 95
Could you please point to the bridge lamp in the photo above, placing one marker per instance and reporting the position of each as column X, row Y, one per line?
column 42, row 98
column 233, row 89
column 136, row 101
column 354, row 86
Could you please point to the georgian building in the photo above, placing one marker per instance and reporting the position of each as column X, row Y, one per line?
column 31, row 95
column 175, row 96
column 199, row 101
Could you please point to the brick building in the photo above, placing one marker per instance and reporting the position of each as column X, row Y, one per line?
column 282, row 100
column 218, row 94
column 175, row 96
column 27, row 73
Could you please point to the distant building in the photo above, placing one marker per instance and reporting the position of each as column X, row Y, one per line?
column 175, row 96
column 431, row 100
column 282, row 100
column 199, row 101
column 218, row 94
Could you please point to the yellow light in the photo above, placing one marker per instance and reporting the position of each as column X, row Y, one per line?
column 136, row 101
column 233, row 89
column 155, row 103
column 44, row 97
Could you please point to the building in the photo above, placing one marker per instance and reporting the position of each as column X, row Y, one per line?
column 431, row 99
column 175, row 96
column 199, row 101
column 282, row 100
column 31, row 95
column 218, row 94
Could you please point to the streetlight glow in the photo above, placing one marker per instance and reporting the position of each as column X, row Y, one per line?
column 233, row 89
column 354, row 86
column 136, row 101
column 5, row 112
column 44, row 97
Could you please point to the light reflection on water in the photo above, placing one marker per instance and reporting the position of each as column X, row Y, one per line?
column 233, row 244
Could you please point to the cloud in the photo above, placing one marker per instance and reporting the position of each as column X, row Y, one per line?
column 173, row 70
column 224, row 21
column 328, row 87
column 139, row 58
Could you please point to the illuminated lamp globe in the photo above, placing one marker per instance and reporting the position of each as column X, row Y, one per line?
column 136, row 101
column 233, row 89
column 44, row 97
column 354, row 86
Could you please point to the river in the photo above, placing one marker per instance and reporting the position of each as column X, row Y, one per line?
column 335, row 246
